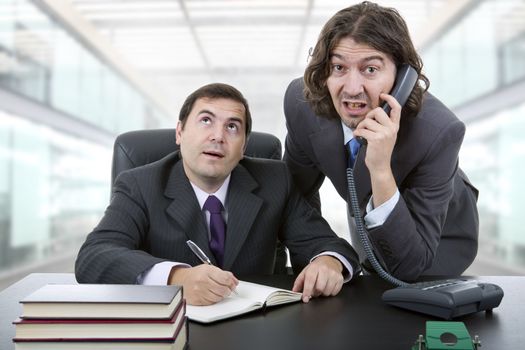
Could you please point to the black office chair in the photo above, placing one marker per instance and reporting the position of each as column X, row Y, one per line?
column 136, row 148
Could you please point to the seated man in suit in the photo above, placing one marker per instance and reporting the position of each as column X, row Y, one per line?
column 156, row 208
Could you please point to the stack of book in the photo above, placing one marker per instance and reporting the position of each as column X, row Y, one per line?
column 98, row 316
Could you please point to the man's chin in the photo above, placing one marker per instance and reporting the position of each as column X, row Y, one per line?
column 352, row 121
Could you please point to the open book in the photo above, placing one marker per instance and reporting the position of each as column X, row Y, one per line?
column 249, row 297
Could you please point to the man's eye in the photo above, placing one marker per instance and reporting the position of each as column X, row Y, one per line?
column 337, row 67
column 371, row 70
column 233, row 127
column 206, row 120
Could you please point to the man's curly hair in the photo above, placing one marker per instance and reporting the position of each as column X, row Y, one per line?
column 366, row 23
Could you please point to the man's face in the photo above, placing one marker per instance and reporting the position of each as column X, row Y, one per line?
column 358, row 75
column 212, row 141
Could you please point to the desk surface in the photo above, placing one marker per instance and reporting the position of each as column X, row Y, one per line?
column 355, row 319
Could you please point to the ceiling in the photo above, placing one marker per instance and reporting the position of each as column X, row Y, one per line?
column 256, row 45
column 221, row 35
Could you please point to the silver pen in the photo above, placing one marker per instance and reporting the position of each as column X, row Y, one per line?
column 200, row 254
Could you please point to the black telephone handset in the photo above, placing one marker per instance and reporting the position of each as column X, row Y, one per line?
column 444, row 298
column 406, row 79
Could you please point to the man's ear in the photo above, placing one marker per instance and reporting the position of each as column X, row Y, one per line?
column 178, row 132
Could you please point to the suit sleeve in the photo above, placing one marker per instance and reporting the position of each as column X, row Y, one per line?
column 306, row 233
column 112, row 252
column 409, row 238
column 306, row 175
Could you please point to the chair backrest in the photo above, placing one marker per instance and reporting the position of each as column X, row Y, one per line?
column 136, row 148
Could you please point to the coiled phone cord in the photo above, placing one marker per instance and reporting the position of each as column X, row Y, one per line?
column 361, row 231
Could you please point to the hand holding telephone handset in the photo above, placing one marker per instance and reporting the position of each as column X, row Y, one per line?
column 445, row 298
column 406, row 79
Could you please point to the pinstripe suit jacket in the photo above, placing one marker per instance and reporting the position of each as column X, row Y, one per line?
column 433, row 229
column 154, row 210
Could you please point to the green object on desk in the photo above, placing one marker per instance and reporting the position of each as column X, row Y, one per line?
column 446, row 335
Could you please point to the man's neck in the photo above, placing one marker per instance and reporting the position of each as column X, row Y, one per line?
column 220, row 192
column 208, row 187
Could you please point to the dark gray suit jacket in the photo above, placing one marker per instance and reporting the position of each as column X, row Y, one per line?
column 154, row 210
column 433, row 229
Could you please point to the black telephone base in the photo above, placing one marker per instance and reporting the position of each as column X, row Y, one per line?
column 446, row 299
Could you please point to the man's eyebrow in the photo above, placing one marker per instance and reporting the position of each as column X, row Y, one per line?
column 366, row 59
column 205, row 111
column 332, row 55
column 236, row 119
column 375, row 57
column 231, row 119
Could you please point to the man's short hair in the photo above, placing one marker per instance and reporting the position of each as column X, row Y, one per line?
column 216, row 91
column 381, row 28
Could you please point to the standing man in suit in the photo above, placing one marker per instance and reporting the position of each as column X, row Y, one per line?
column 419, row 207
column 156, row 208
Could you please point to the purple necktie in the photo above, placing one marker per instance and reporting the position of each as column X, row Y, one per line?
column 217, row 228
column 353, row 148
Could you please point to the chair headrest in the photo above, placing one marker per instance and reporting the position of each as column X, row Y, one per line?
column 136, row 148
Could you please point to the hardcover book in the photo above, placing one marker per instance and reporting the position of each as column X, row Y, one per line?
column 102, row 301
column 178, row 342
column 52, row 328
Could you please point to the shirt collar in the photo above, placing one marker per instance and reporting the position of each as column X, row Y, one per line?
column 220, row 193
column 348, row 133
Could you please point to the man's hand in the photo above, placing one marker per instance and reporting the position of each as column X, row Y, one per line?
column 380, row 131
column 323, row 276
column 203, row 284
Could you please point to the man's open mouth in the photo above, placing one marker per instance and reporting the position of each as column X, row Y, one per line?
column 213, row 154
column 354, row 105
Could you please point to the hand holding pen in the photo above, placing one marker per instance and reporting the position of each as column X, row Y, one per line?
column 203, row 257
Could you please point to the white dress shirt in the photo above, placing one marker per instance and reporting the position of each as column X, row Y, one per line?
column 374, row 216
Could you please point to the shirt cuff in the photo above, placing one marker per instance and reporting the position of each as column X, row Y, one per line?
column 377, row 216
column 349, row 270
column 158, row 274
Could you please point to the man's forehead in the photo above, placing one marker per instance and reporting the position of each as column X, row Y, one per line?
column 348, row 44
column 220, row 104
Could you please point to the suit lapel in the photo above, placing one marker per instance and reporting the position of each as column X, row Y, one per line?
column 329, row 149
column 185, row 210
column 243, row 207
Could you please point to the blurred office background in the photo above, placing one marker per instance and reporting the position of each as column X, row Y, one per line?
column 74, row 74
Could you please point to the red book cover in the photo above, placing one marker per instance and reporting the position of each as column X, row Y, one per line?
column 100, row 329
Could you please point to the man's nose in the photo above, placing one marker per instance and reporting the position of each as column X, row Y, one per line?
column 353, row 84
column 217, row 134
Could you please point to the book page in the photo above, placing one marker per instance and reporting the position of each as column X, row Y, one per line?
column 250, row 296
column 270, row 295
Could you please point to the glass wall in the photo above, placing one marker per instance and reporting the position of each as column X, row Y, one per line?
column 53, row 189
column 481, row 53
column 41, row 60
column 484, row 54
column 55, row 182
